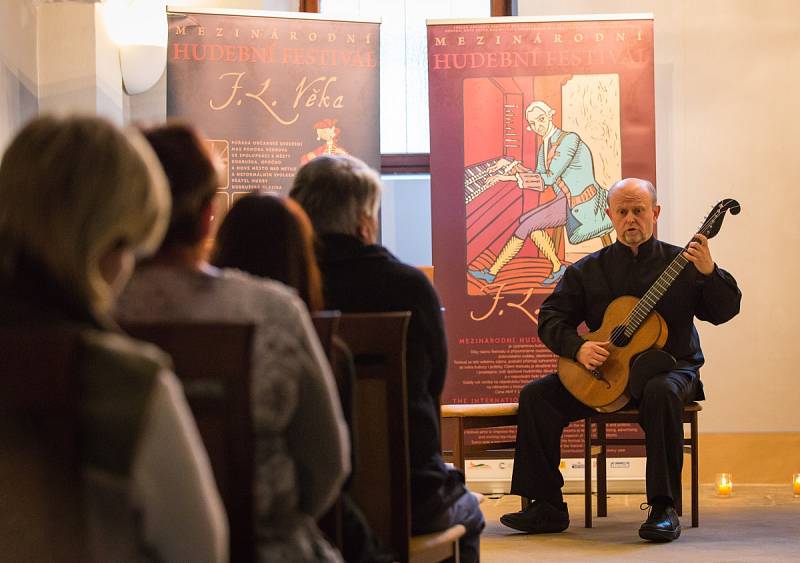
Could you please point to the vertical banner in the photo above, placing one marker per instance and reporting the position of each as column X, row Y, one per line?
column 271, row 91
column 531, row 121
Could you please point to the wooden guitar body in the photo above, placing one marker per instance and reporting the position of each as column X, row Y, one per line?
column 605, row 388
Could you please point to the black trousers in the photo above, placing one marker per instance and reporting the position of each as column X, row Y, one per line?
column 546, row 408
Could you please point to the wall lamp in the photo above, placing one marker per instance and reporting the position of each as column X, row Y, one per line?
column 139, row 28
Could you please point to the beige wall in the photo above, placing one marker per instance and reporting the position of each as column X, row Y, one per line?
column 726, row 114
column 18, row 101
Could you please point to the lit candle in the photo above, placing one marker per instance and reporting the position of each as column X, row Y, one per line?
column 724, row 484
column 796, row 484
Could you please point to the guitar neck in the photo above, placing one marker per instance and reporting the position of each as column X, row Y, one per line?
column 650, row 299
column 646, row 304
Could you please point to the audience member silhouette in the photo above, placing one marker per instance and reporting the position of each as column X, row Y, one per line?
column 341, row 195
column 272, row 237
column 78, row 199
column 302, row 449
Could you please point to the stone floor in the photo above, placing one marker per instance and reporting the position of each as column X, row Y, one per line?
column 758, row 523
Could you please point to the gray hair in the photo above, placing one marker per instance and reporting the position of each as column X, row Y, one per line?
column 336, row 192
column 548, row 111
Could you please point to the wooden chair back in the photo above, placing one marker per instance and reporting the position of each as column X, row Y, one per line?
column 380, row 486
column 41, row 494
column 213, row 362
column 326, row 324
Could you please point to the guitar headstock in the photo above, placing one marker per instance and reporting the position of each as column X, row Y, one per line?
column 713, row 220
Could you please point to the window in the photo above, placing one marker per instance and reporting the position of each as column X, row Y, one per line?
column 404, row 70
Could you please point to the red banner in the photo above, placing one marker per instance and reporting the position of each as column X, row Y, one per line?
column 531, row 122
column 272, row 92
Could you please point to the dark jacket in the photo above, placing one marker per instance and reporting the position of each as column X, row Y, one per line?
column 360, row 278
column 589, row 285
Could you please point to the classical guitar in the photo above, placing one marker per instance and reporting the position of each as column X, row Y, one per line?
column 632, row 327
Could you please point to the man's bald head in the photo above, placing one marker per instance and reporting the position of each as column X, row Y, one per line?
column 627, row 185
column 633, row 210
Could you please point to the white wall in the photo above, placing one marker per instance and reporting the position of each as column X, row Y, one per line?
column 57, row 56
column 151, row 106
column 18, row 100
column 726, row 113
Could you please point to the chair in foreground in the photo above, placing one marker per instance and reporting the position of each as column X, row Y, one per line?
column 326, row 325
column 213, row 362
column 381, row 484
column 41, row 490
column 598, row 447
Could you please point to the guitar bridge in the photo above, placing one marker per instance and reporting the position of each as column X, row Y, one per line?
column 598, row 375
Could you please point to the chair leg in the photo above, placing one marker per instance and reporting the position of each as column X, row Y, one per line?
column 458, row 445
column 602, row 484
column 587, row 471
column 695, row 472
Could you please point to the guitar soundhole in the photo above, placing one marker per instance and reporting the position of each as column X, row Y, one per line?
column 618, row 337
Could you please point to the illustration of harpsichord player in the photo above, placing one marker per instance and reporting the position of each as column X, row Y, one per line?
column 326, row 131
column 563, row 164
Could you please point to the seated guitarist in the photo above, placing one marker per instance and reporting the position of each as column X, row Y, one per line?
column 627, row 267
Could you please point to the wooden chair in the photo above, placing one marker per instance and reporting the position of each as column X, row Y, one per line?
column 326, row 325
column 381, row 486
column 213, row 362
column 598, row 447
column 460, row 418
column 41, row 491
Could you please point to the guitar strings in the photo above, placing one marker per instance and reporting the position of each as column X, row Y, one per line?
column 626, row 325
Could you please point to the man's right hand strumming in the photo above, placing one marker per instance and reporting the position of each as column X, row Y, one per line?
column 592, row 355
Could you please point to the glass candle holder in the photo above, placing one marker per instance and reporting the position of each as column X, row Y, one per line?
column 796, row 484
column 724, row 484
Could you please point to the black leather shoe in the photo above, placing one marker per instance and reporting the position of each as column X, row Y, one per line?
column 662, row 524
column 539, row 517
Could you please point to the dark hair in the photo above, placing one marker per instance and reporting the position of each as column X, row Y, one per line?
column 192, row 176
column 271, row 237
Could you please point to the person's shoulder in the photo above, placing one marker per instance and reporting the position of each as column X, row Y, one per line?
column 667, row 248
column 255, row 284
column 261, row 297
column 592, row 258
column 407, row 274
column 122, row 353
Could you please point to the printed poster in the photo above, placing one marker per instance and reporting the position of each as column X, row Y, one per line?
column 531, row 122
column 271, row 91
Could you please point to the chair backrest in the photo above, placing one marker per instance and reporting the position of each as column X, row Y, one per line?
column 326, row 324
column 41, row 494
column 380, row 485
column 213, row 362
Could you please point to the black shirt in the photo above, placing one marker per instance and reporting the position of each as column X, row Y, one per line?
column 589, row 285
column 360, row 278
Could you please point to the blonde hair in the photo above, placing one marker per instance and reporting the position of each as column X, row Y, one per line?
column 71, row 190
